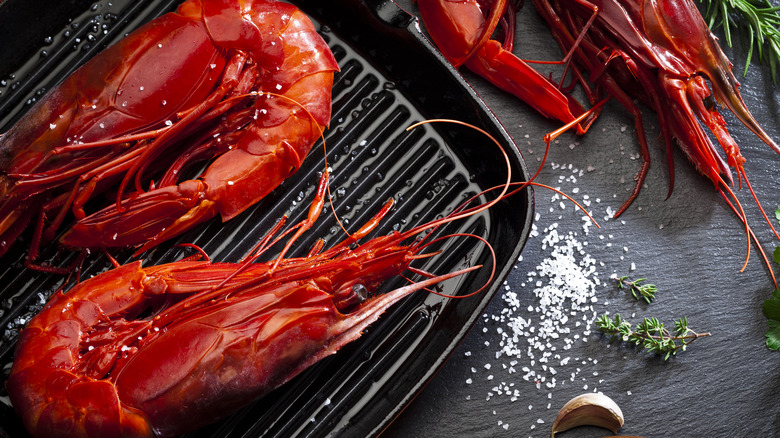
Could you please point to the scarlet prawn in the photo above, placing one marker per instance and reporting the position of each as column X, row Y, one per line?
column 244, row 86
column 158, row 351
column 657, row 51
column 662, row 53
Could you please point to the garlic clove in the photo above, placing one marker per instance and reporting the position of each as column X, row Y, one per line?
column 589, row 410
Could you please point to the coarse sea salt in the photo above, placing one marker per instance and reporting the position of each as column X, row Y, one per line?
column 542, row 323
column 564, row 292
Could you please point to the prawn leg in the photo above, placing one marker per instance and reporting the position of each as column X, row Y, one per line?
column 461, row 31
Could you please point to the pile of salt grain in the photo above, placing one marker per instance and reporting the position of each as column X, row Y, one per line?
column 538, row 341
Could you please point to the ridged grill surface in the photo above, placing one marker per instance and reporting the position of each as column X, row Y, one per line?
column 372, row 157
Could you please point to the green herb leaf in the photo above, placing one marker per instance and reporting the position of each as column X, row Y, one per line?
column 637, row 289
column 650, row 334
column 773, row 335
column 758, row 21
column 771, row 310
column 771, row 306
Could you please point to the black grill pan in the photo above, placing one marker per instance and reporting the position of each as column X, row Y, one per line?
column 390, row 78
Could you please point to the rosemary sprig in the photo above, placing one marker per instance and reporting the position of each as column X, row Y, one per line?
column 645, row 291
column 650, row 334
column 758, row 20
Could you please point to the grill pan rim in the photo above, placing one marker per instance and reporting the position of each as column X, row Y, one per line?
column 391, row 19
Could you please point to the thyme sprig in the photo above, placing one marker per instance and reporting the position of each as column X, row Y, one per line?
column 650, row 334
column 637, row 289
column 759, row 23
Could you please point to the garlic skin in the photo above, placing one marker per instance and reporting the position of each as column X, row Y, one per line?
column 589, row 410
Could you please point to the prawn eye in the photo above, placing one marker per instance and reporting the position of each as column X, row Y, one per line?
column 360, row 292
column 709, row 102
column 349, row 298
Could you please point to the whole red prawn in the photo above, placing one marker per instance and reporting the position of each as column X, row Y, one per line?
column 246, row 85
column 162, row 350
column 660, row 52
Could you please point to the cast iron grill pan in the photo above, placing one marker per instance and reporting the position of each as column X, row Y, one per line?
column 429, row 171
